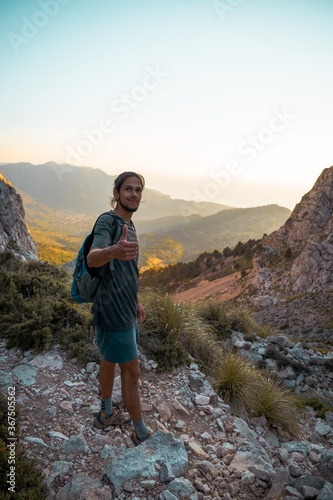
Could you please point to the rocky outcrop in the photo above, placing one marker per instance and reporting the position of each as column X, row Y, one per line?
column 298, row 257
column 292, row 278
column 14, row 234
column 313, row 269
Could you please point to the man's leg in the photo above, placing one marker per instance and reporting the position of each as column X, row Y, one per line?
column 106, row 378
column 130, row 373
column 107, row 417
column 106, row 381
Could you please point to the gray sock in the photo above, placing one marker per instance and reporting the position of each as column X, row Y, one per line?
column 106, row 407
column 141, row 430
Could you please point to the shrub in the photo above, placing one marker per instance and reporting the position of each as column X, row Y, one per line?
column 170, row 355
column 173, row 329
column 36, row 310
column 223, row 319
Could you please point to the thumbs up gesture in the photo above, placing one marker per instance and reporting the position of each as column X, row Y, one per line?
column 125, row 250
column 123, row 235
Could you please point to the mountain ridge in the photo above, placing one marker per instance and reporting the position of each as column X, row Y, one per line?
column 170, row 230
column 68, row 188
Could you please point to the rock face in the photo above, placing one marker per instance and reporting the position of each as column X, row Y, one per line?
column 14, row 234
column 292, row 276
column 299, row 255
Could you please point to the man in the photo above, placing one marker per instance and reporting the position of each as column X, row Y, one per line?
column 116, row 307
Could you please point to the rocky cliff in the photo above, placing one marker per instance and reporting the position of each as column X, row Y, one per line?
column 14, row 234
column 293, row 268
column 302, row 249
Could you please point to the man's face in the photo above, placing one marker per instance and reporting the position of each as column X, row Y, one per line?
column 130, row 194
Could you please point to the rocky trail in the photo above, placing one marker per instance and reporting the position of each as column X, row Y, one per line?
column 199, row 449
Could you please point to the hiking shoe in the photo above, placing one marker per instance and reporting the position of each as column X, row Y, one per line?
column 135, row 439
column 101, row 422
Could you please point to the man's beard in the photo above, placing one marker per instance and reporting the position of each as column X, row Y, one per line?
column 126, row 207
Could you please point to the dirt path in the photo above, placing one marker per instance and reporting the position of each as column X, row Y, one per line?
column 220, row 290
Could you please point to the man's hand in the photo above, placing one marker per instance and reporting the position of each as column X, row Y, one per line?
column 140, row 312
column 125, row 250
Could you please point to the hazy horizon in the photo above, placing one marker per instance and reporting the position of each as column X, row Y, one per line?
column 171, row 192
column 221, row 101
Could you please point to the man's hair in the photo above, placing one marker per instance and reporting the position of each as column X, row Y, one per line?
column 118, row 182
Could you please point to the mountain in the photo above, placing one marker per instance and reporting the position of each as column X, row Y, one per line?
column 299, row 256
column 14, row 234
column 87, row 191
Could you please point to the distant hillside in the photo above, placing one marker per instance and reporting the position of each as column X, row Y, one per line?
column 207, row 267
column 85, row 190
column 224, row 229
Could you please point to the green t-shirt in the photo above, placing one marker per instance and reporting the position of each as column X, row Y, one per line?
column 114, row 307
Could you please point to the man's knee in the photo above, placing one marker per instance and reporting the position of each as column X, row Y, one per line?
column 134, row 375
column 130, row 373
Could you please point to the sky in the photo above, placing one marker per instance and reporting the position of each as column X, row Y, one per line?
column 216, row 101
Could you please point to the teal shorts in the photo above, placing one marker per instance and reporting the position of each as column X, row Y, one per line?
column 117, row 347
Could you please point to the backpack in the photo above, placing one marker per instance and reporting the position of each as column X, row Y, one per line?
column 86, row 280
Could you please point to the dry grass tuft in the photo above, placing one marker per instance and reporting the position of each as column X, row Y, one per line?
column 268, row 398
column 224, row 319
column 240, row 383
column 234, row 378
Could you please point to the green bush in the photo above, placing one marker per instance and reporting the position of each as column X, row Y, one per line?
column 267, row 397
column 174, row 328
column 36, row 310
column 232, row 376
column 170, row 355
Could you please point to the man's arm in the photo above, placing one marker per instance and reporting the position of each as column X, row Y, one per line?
column 97, row 257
